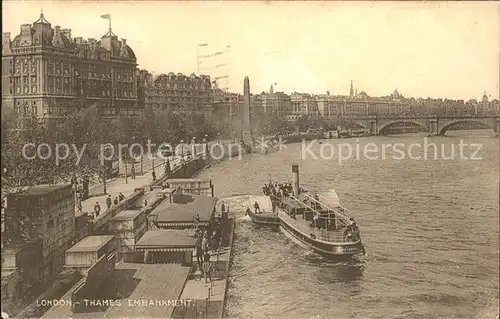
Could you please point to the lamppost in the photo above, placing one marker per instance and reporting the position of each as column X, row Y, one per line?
column 205, row 141
column 182, row 159
column 194, row 146
column 153, row 163
column 133, row 160
column 218, row 138
column 125, row 159
column 105, row 169
column 205, row 146
column 182, row 149
column 142, row 162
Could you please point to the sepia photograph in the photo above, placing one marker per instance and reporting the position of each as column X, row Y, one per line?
column 250, row 159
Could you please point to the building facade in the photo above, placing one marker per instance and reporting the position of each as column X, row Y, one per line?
column 46, row 72
column 303, row 104
column 176, row 92
column 277, row 104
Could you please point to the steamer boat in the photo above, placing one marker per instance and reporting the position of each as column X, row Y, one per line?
column 308, row 221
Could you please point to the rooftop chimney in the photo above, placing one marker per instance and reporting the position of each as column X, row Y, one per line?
column 26, row 29
column 6, row 48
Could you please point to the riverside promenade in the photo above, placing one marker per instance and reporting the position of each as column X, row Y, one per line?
column 127, row 185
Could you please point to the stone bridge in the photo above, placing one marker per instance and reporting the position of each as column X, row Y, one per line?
column 433, row 124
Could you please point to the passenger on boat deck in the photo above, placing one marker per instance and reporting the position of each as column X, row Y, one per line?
column 353, row 225
column 257, row 208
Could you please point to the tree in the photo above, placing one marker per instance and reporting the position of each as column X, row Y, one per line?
column 26, row 147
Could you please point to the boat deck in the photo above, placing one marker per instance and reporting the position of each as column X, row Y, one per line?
column 267, row 215
column 264, row 218
column 334, row 236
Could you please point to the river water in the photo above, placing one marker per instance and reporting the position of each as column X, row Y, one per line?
column 430, row 228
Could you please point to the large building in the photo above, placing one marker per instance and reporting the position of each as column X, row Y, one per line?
column 177, row 92
column 277, row 104
column 303, row 104
column 47, row 73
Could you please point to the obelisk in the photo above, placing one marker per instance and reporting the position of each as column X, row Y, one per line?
column 247, row 126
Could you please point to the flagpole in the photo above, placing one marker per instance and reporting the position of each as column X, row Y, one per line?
column 109, row 23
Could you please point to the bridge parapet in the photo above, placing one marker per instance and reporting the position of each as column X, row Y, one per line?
column 358, row 117
column 407, row 116
column 433, row 123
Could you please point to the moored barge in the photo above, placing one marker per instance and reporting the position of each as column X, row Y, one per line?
column 264, row 215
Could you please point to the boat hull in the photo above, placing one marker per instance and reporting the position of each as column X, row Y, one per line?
column 268, row 219
column 337, row 251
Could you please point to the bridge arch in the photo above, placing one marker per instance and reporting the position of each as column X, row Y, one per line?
column 445, row 126
column 383, row 126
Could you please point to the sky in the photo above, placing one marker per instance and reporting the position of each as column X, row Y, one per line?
column 422, row 49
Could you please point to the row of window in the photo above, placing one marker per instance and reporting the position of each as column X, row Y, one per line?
column 26, row 110
column 176, row 98
column 173, row 105
column 26, row 71
column 56, row 86
column 91, row 75
column 179, row 86
column 26, row 90
column 176, row 93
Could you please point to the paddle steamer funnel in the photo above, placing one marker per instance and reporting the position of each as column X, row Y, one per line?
column 295, row 180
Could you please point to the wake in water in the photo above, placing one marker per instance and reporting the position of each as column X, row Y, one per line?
column 245, row 218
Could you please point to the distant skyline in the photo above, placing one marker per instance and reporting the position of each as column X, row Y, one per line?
column 422, row 49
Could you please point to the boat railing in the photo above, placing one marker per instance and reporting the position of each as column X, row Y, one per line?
column 316, row 212
column 335, row 236
column 305, row 205
column 335, row 210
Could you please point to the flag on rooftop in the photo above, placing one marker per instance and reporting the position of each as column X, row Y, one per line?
column 106, row 16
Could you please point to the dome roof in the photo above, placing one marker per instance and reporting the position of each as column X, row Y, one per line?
column 115, row 49
column 131, row 53
column 41, row 20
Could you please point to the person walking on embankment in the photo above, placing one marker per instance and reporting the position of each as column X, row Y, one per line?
column 207, row 267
